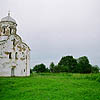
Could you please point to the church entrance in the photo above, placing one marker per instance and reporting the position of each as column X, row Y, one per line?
column 13, row 71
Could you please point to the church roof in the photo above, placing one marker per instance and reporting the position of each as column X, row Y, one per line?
column 8, row 19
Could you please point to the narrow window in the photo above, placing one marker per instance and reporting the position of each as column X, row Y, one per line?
column 24, row 70
column 10, row 30
column 4, row 30
column 10, row 55
column 23, row 54
column 16, row 56
column 14, row 42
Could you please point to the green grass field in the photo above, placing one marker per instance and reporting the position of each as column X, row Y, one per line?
column 48, row 86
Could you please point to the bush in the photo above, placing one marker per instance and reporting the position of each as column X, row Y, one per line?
column 40, row 68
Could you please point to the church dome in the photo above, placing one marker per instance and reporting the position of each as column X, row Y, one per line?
column 8, row 19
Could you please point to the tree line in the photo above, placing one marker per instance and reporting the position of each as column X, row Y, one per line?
column 68, row 64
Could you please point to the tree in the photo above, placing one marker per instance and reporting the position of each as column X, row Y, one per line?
column 95, row 69
column 40, row 68
column 52, row 67
column 83, row 65
column 69, row 62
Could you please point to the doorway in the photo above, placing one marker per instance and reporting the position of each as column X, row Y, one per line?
column 12, row 71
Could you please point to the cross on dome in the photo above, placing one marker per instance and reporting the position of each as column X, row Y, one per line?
column 9, row 13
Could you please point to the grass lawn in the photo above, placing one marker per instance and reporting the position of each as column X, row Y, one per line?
column 48, row 86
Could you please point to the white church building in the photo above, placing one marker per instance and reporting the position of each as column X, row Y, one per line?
column 14, row 53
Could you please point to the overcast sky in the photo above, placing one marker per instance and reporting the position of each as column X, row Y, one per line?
column 56, row 28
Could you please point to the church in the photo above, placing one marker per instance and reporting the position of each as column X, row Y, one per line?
column 14, row 53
